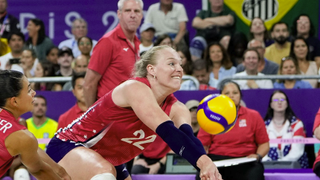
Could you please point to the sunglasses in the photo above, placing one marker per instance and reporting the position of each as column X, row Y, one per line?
column 278, row 100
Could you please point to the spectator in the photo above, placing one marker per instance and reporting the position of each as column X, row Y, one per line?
column 198, row 45
column 79, row 29
column 114, row 56
column 37, row 38
column 65, row 58
column 248, row 138
column 164, row 39
column 251, row 61
column 192, row 105
column 80, row 65
column 282, row 123
column 43, row 69
column 220, row 64
column 147, row 31
column 85, row 46
column 299, row 51
column 11, row 23
column 258, row 31
column 303, row 27
column 41, row 126
column 316, row 132
column 265, row 66
column 200, row 71
column 52, row 57
column 185, row 55
column 215, row 23
column 16, row 43
column 170, row 18
column 289, row 66
column 80, row 107
column 29, row 62
column 236, row 47
column 281, row 47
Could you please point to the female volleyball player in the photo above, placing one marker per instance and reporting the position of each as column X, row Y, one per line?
column 16, row 98
column 121, row 124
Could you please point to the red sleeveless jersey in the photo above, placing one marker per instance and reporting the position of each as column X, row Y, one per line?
column 8, row 125
column 114, row 132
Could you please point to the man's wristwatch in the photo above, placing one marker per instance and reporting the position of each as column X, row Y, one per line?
column 259, row 157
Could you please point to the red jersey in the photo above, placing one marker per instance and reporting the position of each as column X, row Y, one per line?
column 242, row 139
column 67, row 117
column 157, row 150
column 114, row 132
column 315, row 125
column 8, row 125
column 113, row 58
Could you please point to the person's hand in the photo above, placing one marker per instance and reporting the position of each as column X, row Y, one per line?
column 252, row 84
column 253, row 156
column 208, row 170
column 141, row 162
column 154, row 168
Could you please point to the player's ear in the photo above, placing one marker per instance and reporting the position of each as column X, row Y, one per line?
column 151, row 69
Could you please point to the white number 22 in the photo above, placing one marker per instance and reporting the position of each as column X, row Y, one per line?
column 140, row 140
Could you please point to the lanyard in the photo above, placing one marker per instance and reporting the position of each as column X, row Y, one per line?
column 4, row 24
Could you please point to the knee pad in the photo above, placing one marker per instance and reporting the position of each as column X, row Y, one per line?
column 21, row 174
column 104, row 176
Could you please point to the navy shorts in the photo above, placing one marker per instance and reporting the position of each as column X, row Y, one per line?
column 57, row 149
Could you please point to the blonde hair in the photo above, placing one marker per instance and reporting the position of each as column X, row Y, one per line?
column 149, row 57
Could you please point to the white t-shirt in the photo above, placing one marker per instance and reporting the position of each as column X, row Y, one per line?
column 263, row 84
column 143, row 48
column 166, row 23
column 4, row 59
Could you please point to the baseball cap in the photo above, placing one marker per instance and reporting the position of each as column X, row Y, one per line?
column 146, row 26
column 65, row 50
column 192, row 103
column 197, row 46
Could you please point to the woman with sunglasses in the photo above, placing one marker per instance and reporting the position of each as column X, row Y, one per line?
column 282, row 123
column 289, row 66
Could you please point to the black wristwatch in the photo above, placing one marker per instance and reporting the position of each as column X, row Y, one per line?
column 259, row 157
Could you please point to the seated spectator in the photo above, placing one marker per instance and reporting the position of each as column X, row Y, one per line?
column 215, row 23
column 80, row 65
column 43, row 69
column 80, row 107
column 251, row 61
column 258, row 31
column 147, row 31
column 170, row 18
column 248, row 138
column 200, row 71
column 163, row 39
column 65, row 58
column 192, row 105
column 85, row 46
column 237, row 45
column 16, row 44
column 303, row 27
column 281, row 47
column 52, row 57
column 299, row 51
column 29, row 62
column 316, row 132
column 220, row 64
column 282, row 123
column 186, row 64
column 41, row 126
column 265, row 66
column 37, row 38
column 79, row 29
column 289, row 66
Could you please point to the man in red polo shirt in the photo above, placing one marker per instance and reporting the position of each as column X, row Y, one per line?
column 114, row 56
column 80, row 107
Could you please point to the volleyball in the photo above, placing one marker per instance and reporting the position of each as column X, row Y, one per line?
column 216, row 114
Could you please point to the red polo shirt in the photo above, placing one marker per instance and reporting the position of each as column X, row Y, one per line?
column 113, row 58
column 67, row 117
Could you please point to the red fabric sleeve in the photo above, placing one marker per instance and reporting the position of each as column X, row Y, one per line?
column 316, row 121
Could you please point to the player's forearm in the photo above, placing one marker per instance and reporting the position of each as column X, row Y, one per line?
column 90, row 95
column 263, row 149
column 45, row 173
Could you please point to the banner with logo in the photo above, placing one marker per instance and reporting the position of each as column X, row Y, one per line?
column 272, row 11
